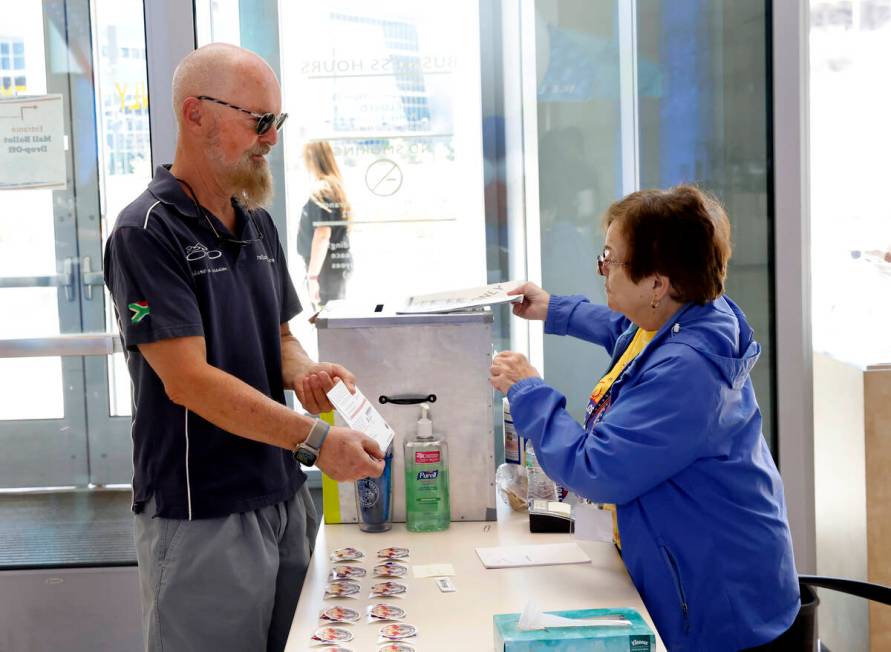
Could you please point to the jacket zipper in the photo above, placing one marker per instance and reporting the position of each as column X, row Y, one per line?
column 676, row 576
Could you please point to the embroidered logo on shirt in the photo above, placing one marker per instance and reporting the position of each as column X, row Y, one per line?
column 140, row 310
column 198, row 251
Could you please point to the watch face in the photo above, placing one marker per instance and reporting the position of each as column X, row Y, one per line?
column 305, row 457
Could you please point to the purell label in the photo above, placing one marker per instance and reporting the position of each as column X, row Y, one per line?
column 428, row 475
column 427, row 457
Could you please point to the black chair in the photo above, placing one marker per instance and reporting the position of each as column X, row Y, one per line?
column 802, row 635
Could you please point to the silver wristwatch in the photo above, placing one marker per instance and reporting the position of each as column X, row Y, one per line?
column 307, row 451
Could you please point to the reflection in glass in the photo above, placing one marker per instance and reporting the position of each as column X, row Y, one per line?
column 123, row 133
column 397, row 95
column 702, row 88
column 579, row 126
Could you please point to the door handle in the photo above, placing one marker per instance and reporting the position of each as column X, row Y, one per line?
column 89, row 278
column 64, row 280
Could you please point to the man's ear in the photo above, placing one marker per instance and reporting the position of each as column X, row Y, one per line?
column 191, row 113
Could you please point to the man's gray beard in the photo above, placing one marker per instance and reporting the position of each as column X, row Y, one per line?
column 252, row 184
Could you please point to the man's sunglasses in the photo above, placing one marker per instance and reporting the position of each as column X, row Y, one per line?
column 264, row 120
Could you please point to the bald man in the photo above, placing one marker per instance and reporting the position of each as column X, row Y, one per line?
column 224, row 522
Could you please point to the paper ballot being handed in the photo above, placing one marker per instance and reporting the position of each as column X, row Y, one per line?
column 359, row 414
column 461, row 300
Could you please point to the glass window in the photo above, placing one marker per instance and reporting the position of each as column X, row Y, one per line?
column 579, row 168
column 702, row 93
column 397, row 97
column 850, row 240
column 125, row 166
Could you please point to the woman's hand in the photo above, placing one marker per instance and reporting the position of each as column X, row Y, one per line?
column 508, row 368
column 535, row 302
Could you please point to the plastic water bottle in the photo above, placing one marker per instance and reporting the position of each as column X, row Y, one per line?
column 539, row 485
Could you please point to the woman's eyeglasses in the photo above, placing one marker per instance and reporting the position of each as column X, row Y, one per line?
column 603, row 262
column 264, row 120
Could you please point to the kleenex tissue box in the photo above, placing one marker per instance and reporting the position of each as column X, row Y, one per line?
column 636, row 637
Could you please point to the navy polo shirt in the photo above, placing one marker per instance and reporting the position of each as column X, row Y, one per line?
column 173, row 272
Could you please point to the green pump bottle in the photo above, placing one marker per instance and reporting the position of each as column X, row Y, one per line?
column 426, row 479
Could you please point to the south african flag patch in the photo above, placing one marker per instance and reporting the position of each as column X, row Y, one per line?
column 140, row 310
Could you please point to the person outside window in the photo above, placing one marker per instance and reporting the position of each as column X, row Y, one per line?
column 325, row 247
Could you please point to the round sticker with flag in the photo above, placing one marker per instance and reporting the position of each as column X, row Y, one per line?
column 140, row 310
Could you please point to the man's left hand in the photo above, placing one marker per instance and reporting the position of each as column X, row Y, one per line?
column 312, row 386
column 509, row 367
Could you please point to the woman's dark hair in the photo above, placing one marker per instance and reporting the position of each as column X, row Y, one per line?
column 682, row 233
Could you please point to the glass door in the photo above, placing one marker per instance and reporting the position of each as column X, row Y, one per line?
column 42, row 414
column 58, row 424
column 648, row 94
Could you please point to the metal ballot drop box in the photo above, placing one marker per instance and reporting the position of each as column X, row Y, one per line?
column 401, row 361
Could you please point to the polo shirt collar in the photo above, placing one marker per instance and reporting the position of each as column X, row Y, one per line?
column 166, row 189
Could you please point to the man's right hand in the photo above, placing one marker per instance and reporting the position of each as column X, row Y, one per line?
column 535, row 302
column 349, row 455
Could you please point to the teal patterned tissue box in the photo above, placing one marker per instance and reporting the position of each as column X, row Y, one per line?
column 637, row 637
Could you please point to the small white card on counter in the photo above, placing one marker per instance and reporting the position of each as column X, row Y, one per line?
column 445, row 584
column 546, row 554
column 359, row 414
column 592, row 523
column 433, row 570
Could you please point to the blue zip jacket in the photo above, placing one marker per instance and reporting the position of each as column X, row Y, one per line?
column 679, row 450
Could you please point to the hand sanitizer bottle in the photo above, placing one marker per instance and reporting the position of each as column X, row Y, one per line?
column 426, row 479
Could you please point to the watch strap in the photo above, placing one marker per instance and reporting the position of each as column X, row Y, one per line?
column 317, row 434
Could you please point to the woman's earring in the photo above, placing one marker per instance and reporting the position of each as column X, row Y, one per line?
column 654, row 304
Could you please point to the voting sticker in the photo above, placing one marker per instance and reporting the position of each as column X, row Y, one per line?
column 390, row 569
column 332, row 635
column 387, row 589
column 396, row 647
column 347, row 554
column 346, row 573
column 340, row 615
column 385, row 612
column 341, row 589
column 398, row 631
column 393, row 553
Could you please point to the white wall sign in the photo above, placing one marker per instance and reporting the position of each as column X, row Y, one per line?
column 32, row 148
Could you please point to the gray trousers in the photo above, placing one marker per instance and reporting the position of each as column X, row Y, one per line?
column 224, row 584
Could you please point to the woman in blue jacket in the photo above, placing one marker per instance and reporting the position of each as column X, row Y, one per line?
column 672, row 435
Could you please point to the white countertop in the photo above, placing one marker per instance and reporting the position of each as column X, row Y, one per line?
column 463, row 619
